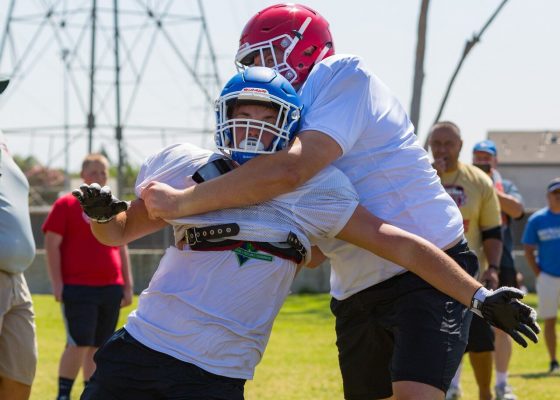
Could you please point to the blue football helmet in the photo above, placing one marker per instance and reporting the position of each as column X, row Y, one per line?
column 263, row 87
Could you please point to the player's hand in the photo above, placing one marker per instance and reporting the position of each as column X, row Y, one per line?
column 490, row 278
column 161, row 200
column 440, row 165
column 502, row 309
column 127, row 296
column 98, row 202
column 57, row 288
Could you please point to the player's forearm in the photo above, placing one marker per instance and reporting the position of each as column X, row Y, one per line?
column 493, row 251
column 259, row 180
column 54, row 266
column 412, row 252
column 510, row 205
column 127, row 226
column 52, row 249
column 532, row 260
column 431, row 264
column 256, row 181
column 110, row 233
column 126, row 268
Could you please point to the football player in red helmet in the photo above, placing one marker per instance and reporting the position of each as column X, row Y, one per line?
column 290, row 38
column 390, row 334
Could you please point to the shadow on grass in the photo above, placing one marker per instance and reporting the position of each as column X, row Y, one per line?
column 536, row 375
column 322, row 314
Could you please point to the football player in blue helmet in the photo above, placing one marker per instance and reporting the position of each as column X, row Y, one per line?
column 258, row 112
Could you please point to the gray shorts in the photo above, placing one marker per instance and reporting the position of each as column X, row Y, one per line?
column 18, row 345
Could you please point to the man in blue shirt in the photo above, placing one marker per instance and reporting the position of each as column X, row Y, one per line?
column 542, row 234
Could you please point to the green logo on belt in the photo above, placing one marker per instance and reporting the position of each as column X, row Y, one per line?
column 247, row 251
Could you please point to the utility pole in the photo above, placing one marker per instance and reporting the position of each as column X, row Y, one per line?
column 419, row 65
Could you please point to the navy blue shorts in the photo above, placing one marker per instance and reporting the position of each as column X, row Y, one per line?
column 401, row 329
column 128, row 370
column 91, row 313
column 508, row 277
column 481, row 336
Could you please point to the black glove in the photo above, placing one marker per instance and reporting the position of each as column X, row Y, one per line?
column 502, row 309
column 98, row 203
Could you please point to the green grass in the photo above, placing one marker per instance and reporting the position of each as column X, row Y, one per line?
column 300, row 361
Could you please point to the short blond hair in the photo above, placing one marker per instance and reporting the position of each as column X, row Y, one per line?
column 94, row 157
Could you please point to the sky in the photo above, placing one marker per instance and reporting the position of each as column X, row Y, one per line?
column 509, row 81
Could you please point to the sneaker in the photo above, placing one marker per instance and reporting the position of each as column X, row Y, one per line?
column 504, row 392
column 554, row 367
column 453, row 393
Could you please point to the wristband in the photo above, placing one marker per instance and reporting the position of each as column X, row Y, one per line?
column 494, row 267
column 102, row 221
column 478, row 299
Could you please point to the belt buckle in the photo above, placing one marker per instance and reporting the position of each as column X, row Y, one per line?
column 193, row 236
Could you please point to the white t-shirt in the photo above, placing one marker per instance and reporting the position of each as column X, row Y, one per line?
column 383, row 160
column 215, row 309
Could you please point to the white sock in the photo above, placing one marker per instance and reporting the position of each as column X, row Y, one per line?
column 501, row 378
column 456, row 381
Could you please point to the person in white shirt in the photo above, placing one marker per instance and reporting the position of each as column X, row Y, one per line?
column 208, row 311
column 351, row 120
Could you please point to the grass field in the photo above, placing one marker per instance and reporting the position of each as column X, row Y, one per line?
column 301, row 359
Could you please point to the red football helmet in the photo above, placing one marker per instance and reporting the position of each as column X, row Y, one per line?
column 300, row 32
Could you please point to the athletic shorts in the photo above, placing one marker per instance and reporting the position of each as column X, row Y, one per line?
column 548, row 291
column 402, row 329
column 508, row 277
column 90, row 313
column 18, row 346
column 481, row 336
column 126, row 369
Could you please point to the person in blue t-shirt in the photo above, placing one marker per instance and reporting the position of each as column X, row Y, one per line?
column 542, row 234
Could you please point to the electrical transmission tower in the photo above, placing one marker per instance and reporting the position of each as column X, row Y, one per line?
column 122, row 76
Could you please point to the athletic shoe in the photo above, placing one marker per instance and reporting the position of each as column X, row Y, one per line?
column 554, row 367
column 453, row 393
column 504, row 392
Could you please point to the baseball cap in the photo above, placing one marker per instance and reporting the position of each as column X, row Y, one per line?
column 486, row 146
column 4, row 80
column 553, row 185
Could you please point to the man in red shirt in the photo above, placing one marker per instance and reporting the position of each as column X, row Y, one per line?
column 91, row 280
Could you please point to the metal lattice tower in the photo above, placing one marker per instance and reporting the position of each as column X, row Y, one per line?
column 108, row 72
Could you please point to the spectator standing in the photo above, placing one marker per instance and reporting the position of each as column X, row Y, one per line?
column 485, row 157
column 542, row 236
column 18, row 346
column 91, row 280
column 473, row 192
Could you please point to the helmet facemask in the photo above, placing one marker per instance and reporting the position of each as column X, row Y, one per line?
column 296, row 36
column 244, row 138
column 247, row 53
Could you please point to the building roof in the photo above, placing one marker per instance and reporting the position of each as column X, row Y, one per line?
column 527, row 147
